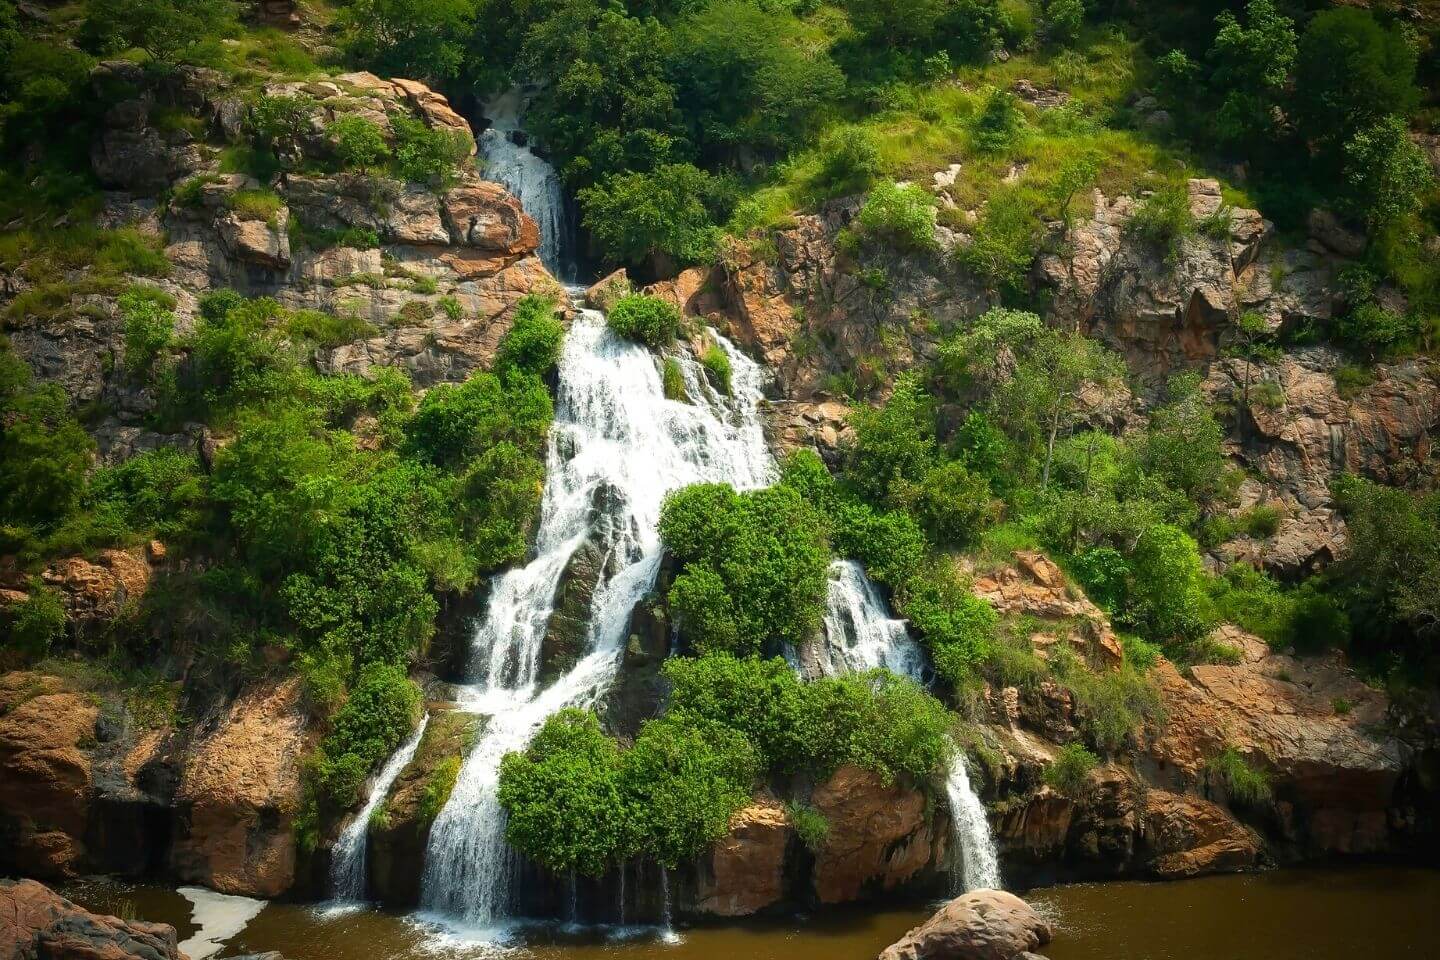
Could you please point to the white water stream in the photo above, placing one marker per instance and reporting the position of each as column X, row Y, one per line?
column 616, row 448
column 347, row 860
column 508, row 160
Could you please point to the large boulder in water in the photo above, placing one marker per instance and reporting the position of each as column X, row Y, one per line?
column 36, row 922
column 400, row 827
column 981, row 925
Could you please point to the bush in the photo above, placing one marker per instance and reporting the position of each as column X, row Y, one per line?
column 650, row 320
column 35, row 623
column 149, row 327
column 327, row 330
column 957, row 627
column 849, row 162
column 1069, row 772
column 763, row 700
column 717, row 363
column 1004, row 243
column 955, row 505
column 998, row 123
column 810, row 825
column 1349, row 73
column 359, row 143
column 455, row 423
column 1163, row 219
column 667, row 212
column 904, row 216
column 533, row 343
column 672, row 377
column 1246, row 785
column 382, row 709
column 275, row 119
column 160, row 492
column 888, row 543
column 893, row 446
column 1110, row 705
column 430, row 156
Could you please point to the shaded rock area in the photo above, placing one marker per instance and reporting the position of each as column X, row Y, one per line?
column 981, row 925
column 38, row 924
column 401, row 825
column 744, row 872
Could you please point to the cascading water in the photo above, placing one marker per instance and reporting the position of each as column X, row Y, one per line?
column 616, row 448
column 969, row 833
column 347, row 860
column 859, row 632
column 861, row 635
column 510, row 161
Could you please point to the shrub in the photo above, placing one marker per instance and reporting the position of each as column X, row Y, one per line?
column 763, row 700
column 327, row 330
column 956, row 626
column 1163, row 219
column 849, row 162
column 1063, row 20
column 810, row 825
column 1004, row 243
column 998, row 123
column 1350, row 72
column 170, row 31
column 1245, row 784
column 650, row 320
column 717, row 363
column 381, row 711
column 35, row 623
column 888, row 543
column 359, row 143
column 904, row 216
column 256, row 204
column 955, row 505
column 423, row 155
column 149, row 327
column 455, row 423
column 533, row 342
column 672, row 378
column 159, row 491
column 1110, row 705
column 637, row 215
column 275, row 119
column 1069, row 772
column 893, row 446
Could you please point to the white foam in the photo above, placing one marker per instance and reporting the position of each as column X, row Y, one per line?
column 219, row 916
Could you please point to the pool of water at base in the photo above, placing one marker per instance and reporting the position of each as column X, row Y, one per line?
column 1305, row 914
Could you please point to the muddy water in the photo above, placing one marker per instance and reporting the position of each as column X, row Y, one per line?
column 1332, row 914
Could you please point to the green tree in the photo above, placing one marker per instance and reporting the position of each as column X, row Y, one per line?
column 1252, row 63
column 1351, row 73
column 637, row 216
column 893, row 447
column 424, row 39
column 359, row 143
column 1183, row 443
column 1386, row 173
column 168, row 30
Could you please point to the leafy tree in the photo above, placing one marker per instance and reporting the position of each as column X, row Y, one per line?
column 282, row 118
column 955, row 504
column 637, row 216
column 889, row 22
column 1386, row 172
column 168, row 30
column 1165, row 597
column 44, row 455
column 1063, row 20
column 359, row 143
column 1183, row 443
column 1350, row 73
column 957, row 627
column 761, row 699
column 425, row 39
column 893, row 446
column 34, row 624
column 426, row 155
column 888, row 543
column 1252, row 63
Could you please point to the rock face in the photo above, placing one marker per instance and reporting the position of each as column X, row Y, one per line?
column 45, row 771
column 880, row 837
column 401, row 828
column 239, row 792
column 1035, row 587
column 744, row 872
column 981, row 925
column 38, row 924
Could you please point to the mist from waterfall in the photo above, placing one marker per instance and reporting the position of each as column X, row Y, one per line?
column 617, row 446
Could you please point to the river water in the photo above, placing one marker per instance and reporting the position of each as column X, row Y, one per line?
column 1339, row 913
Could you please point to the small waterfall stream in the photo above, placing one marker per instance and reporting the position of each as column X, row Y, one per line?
column 970, row 837
column 508, row 160
column 616, row 448
column 347, row 859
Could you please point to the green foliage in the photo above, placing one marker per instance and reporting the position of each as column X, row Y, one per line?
column 850, row 162
column 1246, row 785
column 1252, row 64
column 957, row 627
column 894, row 445
column 457, row 422
column 281, row 118
column 169, row 31
column 1070, row 771
column 532, row 346
column 998, row 123
column 765, row 549
column 1386, row 172
column 327, row 330
column 1004, row 243
column 158, row 492
column 717, row 364
column 1351, row 73
column 902, row 216
column 1063, row 20
column 810, row 825
column 359, row 142
column 149, row 328
column 424, row 39
column 1110, row 705
column 666, row 212
column 35, row 623
column 429, row 156
column 1163, row 219
column 44, row 454
column 438, row 789
column 1182, row 446
column 651, row 320
column 955, row 504
column 673, row 381
column 380, row 712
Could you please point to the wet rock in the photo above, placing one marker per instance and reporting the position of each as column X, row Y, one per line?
column 38, row 924
column 401, row 825
column 45, row 735
column 744, row 872
column 880, row 838
column 981, row 925
column 239, row 793
column 567, row 633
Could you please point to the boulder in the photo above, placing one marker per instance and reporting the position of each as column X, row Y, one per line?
column 744, row 872
column 38, row 924
column 880, row 837
column 981, row 925
column 1187, row 836
column 263, row 243
column 604, row 293
column 96, row 591
column 400, row 828
column 239, row 792
column 1035, row 587
column 485, row 216
column 45, row 735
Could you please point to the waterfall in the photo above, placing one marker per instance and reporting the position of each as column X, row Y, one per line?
column 347, row 859
column 969, row 833
column 510, row 161
column 667, row 928
column 617, row 446
column 860, row 634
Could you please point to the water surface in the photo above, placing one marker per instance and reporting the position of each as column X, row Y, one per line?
column 1311, row 914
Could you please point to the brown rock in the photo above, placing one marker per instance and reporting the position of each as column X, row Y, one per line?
column 745, row 871
column 239, row 793
column 38, row 924
column 44, row 777
column 263, row 243
column 880, row 836
column 1188, row 836
column 483, row 215
column 604, row 293
column 981, row 925
column 96, row 591
column 1036, row 587
column 433, row 107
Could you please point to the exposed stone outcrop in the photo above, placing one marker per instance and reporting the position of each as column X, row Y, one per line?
column 981, row 925
column 38, row 924
column 880, row 836
column 1036, row 587
column 401, row 826
column 239, row 793
column 1185, row 836
column 744, row 873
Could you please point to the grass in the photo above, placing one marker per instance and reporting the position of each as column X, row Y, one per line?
column 256, row 204
column 810, row 824
column 673, row 381
column 1069, row 772
column 717, row 364
column 1245, row 784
